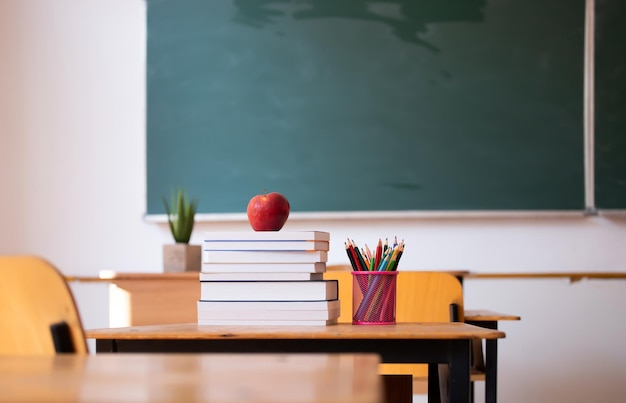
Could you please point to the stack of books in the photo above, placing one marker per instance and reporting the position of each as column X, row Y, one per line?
column 266, row 278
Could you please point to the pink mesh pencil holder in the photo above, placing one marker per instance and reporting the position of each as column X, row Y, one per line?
column 374, row 297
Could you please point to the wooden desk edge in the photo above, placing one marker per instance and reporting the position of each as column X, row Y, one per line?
column 111, row 276
column 190, row 377
column 572, row 276
column 484, row 315
column 193, row 331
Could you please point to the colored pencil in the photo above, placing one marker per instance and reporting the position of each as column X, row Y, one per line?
column 350, row 257
column 379, row 252
column 355, row 254
column 358, row 255
column 385, row 257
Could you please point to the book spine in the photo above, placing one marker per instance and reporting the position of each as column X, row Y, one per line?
column 269, row 315
column 325, row 305
column 263, row 256
column 269, row 290
column 206, row 276
column 223, row 322
column 316, row 267
column 267, row 235
column 299, row 246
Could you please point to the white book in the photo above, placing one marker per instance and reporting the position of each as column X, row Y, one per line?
column 314, row 290
column 317, row 267
column 271, row 256
column 268, row 315
column 208, row 305
column 243, row 276
column 266, row 245
column 223, row 322
column 266, row 236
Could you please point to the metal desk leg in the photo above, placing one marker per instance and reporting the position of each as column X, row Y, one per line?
column 434, row 392
column 105, row 346
column 491, row 371
column 460, row 371
column 491, row 362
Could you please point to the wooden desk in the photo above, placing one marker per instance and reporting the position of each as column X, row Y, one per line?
column 223, row 378
column 137, row 299
column 572, row 276
column 430, row 343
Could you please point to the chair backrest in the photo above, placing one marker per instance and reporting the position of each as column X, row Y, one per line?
column 38, row 314
column 421, row 296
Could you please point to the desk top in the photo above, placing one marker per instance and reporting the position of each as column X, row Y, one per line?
column 193, row 331
column 484, row 315
column 113, row 276
column 192, row 378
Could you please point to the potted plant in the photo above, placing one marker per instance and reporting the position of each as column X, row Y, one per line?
column 181, row 256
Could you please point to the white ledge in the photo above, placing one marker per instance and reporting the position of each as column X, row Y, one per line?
column 387, row 215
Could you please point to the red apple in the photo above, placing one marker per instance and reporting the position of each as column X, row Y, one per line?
column 268, row 212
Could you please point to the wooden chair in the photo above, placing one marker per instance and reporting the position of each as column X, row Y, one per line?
column 38, row 314
column 420, row 297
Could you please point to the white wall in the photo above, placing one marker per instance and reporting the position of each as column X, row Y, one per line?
column 72, row 176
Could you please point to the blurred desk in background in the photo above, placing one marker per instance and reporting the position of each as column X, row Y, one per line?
column 187, row 378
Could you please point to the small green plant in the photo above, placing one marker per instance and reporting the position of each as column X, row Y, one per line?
column 181, row 216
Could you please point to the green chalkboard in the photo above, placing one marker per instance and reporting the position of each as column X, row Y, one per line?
column 358, row 105
column 610, row 106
